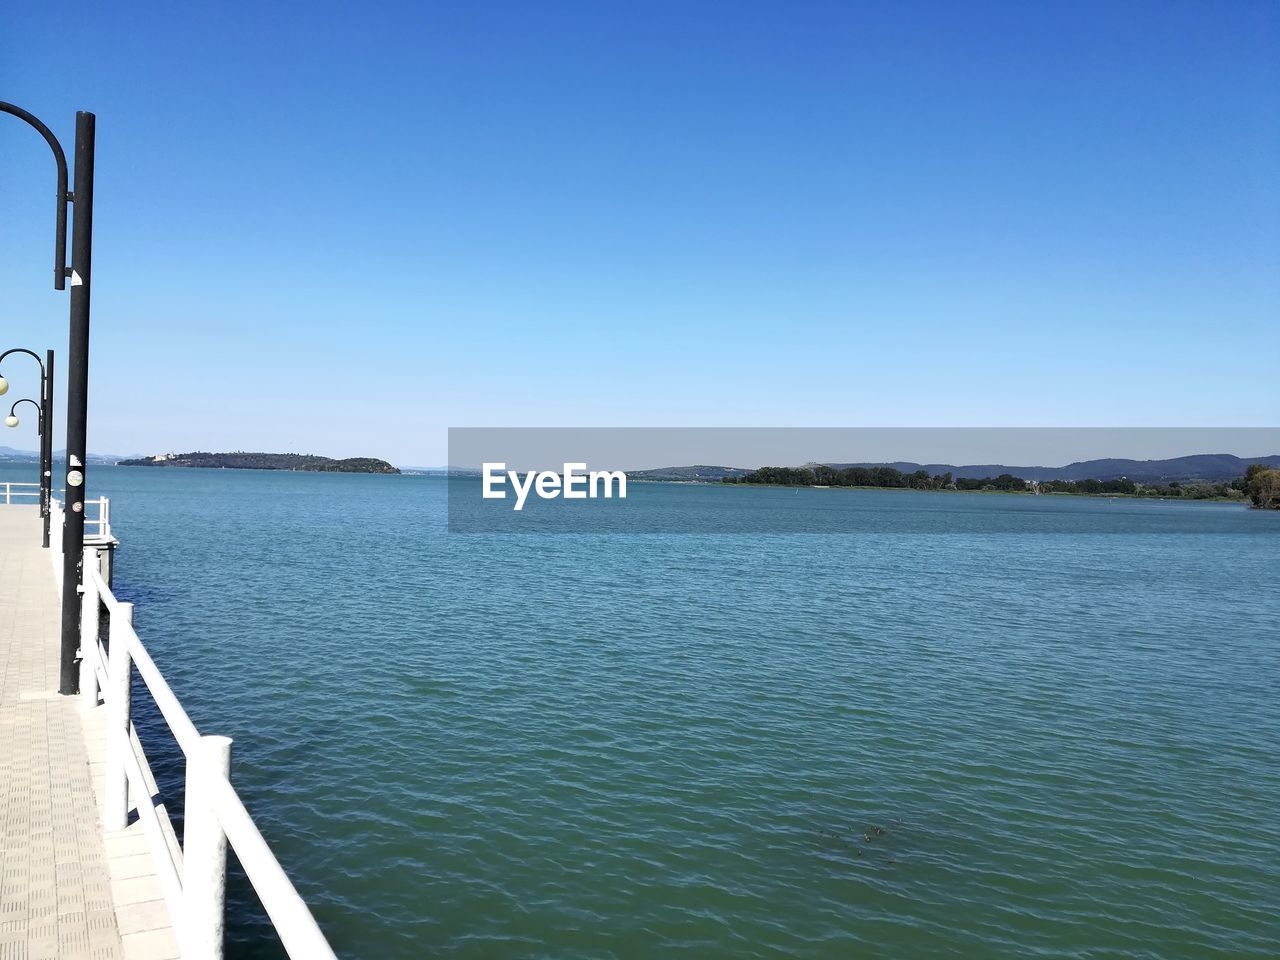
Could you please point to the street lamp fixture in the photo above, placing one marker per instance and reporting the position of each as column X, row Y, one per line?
column 12, row 419
column 44, row 418
column 80, row 275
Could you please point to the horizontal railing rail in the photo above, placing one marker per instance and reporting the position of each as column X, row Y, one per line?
column 192, row 873
column 13, row 491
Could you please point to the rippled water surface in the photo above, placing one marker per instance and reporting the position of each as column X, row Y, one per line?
column 893, row 746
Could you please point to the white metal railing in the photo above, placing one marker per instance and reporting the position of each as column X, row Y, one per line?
column 14, row 491
column 55, row 541
column 101, row 522
column 97, row 524
column 97, row 531
column 192, row 874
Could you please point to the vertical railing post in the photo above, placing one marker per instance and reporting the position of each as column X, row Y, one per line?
column 90, row 612
column 115, row 794
column 204, row 852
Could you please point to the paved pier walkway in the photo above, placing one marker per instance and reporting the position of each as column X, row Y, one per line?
column 67, row 890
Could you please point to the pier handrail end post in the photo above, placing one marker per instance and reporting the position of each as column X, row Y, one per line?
column 90, row 612
column 115, row 793
column 204, row 853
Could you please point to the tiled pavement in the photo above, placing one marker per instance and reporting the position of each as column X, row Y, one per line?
column 67, row 890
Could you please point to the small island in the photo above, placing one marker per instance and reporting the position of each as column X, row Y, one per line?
column 240, row 460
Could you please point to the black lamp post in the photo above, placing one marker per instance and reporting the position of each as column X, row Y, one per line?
column 77, row 364
column 45, row 418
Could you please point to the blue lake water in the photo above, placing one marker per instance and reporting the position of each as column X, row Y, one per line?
column 954, row 744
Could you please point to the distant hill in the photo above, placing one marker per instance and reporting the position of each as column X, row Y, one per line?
column 1216, row 467
column 1204, row 466
column 10, row 455
column 441, row 471
column 264, row 461
column 697, row 472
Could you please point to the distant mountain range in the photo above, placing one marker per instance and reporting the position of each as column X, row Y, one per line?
column 441, row 471
column 1215, row 467
column 10, row 455
column 1202, row 466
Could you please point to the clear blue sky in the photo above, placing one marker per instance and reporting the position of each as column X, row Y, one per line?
column 342, row 228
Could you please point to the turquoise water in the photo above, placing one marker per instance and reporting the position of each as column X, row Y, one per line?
column 500, row 746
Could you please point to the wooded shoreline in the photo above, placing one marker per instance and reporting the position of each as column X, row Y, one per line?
column 1260, row 485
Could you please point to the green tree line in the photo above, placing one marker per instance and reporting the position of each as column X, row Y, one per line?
column 889, row 477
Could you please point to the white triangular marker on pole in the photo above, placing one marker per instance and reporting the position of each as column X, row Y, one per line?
column 75, row 279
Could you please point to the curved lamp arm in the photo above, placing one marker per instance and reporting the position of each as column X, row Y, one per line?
column 30, row 353
column 60, row 228
column 4, row 384
column 14, row 416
